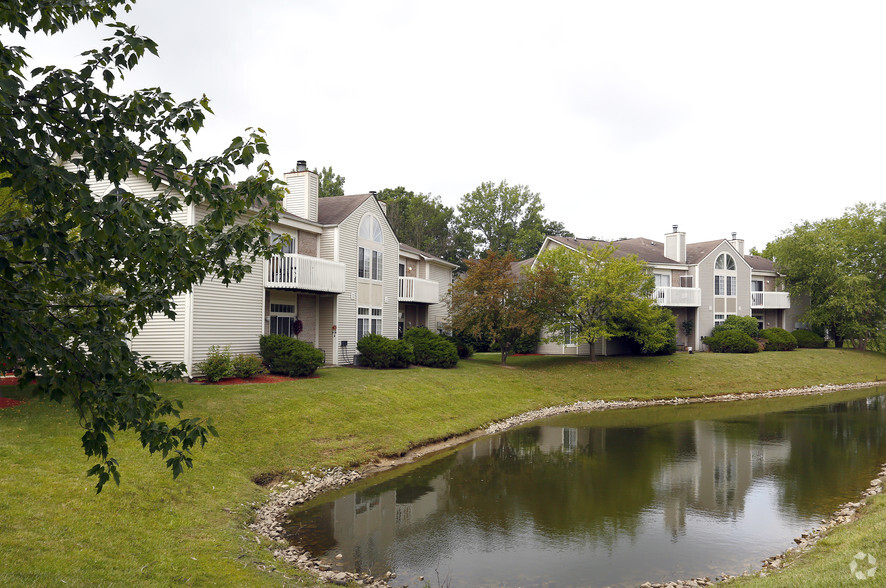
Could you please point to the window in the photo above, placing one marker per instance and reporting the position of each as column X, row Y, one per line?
column 719, row 285
column 369, row 262
column 282, row 317
column 662, row 280
column 725, row 262
column 719, row 319
column 686, row 281
column 761, row 324
column 287, row 243
column 568, row 336
column 368, row 321
column 756, row 285
column 730, row 285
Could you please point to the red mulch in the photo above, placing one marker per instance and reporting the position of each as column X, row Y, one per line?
column 263, row 379
column 8, row 380
column 10, row 402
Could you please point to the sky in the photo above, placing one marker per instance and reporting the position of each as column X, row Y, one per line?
column 626, row 117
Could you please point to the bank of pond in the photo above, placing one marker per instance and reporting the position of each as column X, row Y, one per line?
column 608, row 498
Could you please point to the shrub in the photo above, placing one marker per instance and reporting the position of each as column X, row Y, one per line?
column 778, row 339
column 246, row 365
column 464, row 349
column 217, row 364
column 527, row 343
column 381, row 353
column 731, row 341
column 288, row 356
column 745, row 324
column 808, row 339
column 430, row 349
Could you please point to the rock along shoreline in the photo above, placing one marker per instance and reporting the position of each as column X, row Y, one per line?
column 271, row 515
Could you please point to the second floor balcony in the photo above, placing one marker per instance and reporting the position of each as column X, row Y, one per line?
column 302, row 272
column 770, row 300
column 418, row 290
column 672, row 296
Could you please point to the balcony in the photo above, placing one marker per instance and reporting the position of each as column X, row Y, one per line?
column 670, row 296
column 418, row 290
column 770, row 300
column 301, row 272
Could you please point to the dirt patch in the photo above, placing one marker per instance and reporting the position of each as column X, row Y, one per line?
column 267, row 479
column 262, row 379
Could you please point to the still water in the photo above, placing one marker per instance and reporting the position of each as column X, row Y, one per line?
column 615, row 498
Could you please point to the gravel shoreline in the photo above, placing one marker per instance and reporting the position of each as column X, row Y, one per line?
column 270, row 516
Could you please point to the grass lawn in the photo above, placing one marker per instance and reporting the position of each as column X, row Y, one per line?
column 152, row 530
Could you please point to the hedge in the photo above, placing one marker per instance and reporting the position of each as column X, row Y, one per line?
column 381, row 353
column 746, row 324
column 431, row 350
column 808, row 339
column 731, row 341
column 778, row 339
column 288, row 356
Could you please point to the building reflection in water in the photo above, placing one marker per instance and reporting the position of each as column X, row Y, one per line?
column 595, row 488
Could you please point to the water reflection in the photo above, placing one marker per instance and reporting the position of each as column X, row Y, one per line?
column 561, row 504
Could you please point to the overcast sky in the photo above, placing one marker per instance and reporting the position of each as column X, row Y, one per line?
column 627, row 117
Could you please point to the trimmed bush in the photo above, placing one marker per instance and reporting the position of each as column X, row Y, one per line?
column 778, row 339
column 464, row 349
column 746, row 324
column 527, row 343
column 430, row 349
column 381, row 353
column 217, row 364
column 731, row 341
column 288, row 356
column 246, row 365
column 807, row 339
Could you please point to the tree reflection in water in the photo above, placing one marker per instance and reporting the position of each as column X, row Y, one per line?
column 675, row 498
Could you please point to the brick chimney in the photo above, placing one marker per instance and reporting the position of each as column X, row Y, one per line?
column 303, row 190
column 675, row 246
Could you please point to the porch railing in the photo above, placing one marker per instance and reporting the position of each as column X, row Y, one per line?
column 770, row 300
column 302, row 272
column 419, row 290
column 672, row 296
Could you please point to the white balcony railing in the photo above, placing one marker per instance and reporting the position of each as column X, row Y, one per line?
column 671, row 296
column 419, row 290
column 302, row 272
column 770, row 300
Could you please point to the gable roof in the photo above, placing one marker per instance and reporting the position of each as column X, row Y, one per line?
column 332, row 210
column 760, row 263
column 410, row 249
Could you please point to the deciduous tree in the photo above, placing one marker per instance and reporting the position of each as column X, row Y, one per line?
column 493, row 301
column 420, row 220
column 331, row 184
column 505, row 218
column 79, row 273
column 600, row 294
column 840, row 265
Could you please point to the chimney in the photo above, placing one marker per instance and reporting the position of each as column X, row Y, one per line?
column 303, row 190
column 675, row 245
column 737, row 243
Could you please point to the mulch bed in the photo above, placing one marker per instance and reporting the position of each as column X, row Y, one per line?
column 8, row 380
column 263, row 379
column 10, row 402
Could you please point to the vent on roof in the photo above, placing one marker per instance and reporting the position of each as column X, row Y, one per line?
column 301, row 165
column 734, row 235
column 373, row 193
column 675, row 229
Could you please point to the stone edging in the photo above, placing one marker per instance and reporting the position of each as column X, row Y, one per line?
column 270, row 515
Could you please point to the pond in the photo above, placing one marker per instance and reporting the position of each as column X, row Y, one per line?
column 611, row 498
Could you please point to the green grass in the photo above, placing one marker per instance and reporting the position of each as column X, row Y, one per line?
column 156, row 531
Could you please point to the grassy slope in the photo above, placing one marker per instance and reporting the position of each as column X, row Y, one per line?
column 155, row 531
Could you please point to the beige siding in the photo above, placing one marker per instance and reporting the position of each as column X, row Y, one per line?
column 307, row 313
column 328, row 342
column 162, row 338
column 439, row 313
column 347, row 307
column 326, row 245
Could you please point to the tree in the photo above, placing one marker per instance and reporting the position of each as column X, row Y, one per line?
column 840, row 265
column 331, row 184
column 600, row 294
column 420, row 220
column 506, row 218
column 80, row 274
column 492, row 301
